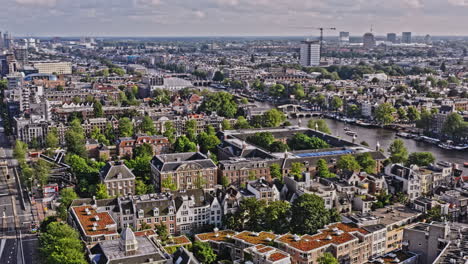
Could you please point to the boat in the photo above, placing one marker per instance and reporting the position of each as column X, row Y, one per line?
column 347, row 129
column 465, row 164
column 445, row 146
column 351, row 133
column 430, row 140
column 460, row 147
column 403, row 134
column 362, row 123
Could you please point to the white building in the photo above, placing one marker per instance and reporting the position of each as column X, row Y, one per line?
column 51, row 67
column 310, row 53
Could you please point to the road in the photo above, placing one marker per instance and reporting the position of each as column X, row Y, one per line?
column 17, row 244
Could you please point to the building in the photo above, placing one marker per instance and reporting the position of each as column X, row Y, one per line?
column 53, row 67
column 344, row 38
column 392, row 38
column 183, row 171
column 94, row 225
column 129, row 248
column 126, row 146
column 368, row 41
column 310, row 53
column 346, row 242
column 406, row 37
column 261, row 254
column 427, row 240
column 263, row 190
column 405, row 180
column 118, row 179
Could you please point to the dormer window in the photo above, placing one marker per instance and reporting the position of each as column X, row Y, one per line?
column 155, row 211
column 141, row 213
column 171, row 210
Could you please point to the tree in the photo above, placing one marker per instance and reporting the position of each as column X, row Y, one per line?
column 97, row 135
column 367, row 163
column 454, row 126
column 242, row 123
column 384, row 113
column 52, row 140
column 402, row 115
column 20, row 150
column 273, row 118
column 262, row 139
column 101, row 191
column 42, row 171
column 125, row 127
column 67, row 196
column 226, row 125
column 348, row 163
column 183, row 144
column 322, row 169
column 203, row 252
column 277, row 218
column 277, row 90
column 297, row 169
column 218, row 76
column 301, row 141
column 443, row 67
column 221, row 103
column 336, row 103
column 147, row 126
column 144, row 150
column 75, row 138
column 298, row 91
column 398, row 151
column 169, row 184
column 420, row 159
column 309, row 214
column 320, row 124
column 60, row 243
column 225, row 181
column 425, row 122
column 191, row 128
column 97, row 109
column 170, row 132
column 275, row 171
column 253, row 213
column 413, row 114
column 327, row 258
column 162, row 232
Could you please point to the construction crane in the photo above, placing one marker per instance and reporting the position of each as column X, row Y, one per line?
column 321, row 36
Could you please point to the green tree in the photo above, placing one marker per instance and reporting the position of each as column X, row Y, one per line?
column 147, row 126
column 101, row 191
column 322, row 169
column 75, row 138
column 225, row 181
column 277, row 90
column 242, row 123
column 336, row 103
column 273, row 118
column 454, row 126
column 275, row 171
column 413, row 114
column 402, row 115
column 169, row 184
column 67, row 196
column 144, row 150
column 183, row 144
column 420, row 159
column 218, row 76
column 262, row 139
column 203, row 252
column 20, row 150
column 221, row 103
column 277, row 217
column 297, row 169
column 52, row 140
column 309, row 213
column 398, row 151
column 97, row 135
column 425, row 122
column 170, row 132
column 97, row 109
column 320, row 124
column 348, row 163
column 367, row 163
column 226, row 125
column 301, row 141
column 125, row 127
column 208, row 142
column 327, row 258
column 42, row 171
column 384, row 113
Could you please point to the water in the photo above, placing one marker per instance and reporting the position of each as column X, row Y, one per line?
column 385, row 137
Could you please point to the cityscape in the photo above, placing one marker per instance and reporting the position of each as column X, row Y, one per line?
column 334, row 147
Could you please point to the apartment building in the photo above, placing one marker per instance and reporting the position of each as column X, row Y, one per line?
column 405, row 180
column 263, row 190
column 94, row 225
column 183, row 171
column 427, row 239
column 126, row 146
column 53, row 67
column 261, row 254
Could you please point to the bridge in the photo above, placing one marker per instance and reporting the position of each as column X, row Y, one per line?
column 297, row 111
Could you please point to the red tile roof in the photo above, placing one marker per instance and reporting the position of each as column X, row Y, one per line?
column 87, row 221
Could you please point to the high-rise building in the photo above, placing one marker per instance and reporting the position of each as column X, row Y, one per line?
column 1, row 41
column 344, row 37
column 368, row 41
column 7, row 41
column 391, row 37
column 428, row 39
column 310, row 53
column 406, row 37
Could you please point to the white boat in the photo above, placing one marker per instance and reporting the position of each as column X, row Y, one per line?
column 445, row 146
column 458, row 147
column 430, row 140
column 350, row 133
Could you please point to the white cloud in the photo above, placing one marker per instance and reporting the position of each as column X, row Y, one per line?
column 458, row 2
column 199, row 14
column 146, row 3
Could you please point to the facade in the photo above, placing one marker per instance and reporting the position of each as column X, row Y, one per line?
column 263, row 190
column 406, row 37
column 344, row 38
column 427, row 240
column 368, row 41
column 183, row 171
column 94, row 225
column 126, row 146
column 118, row 179
column 310, row 53
column 51, row 67
column 392, row 38
column 405, row 180
column 261, row 254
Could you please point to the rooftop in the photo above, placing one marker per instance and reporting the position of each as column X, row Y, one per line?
column 94, row 223
column 254, row 238
column 219, row 236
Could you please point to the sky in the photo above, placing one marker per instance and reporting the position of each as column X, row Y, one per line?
column 160, row 18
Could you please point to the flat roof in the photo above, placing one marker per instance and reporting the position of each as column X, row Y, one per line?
column 94, row 223
column 325, row 153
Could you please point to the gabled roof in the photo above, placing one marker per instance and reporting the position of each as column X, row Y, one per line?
column 116, row 170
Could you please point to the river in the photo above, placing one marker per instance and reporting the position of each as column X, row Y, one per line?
column 385, row 137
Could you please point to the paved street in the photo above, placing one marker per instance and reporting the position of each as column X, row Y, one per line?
column 17, row 244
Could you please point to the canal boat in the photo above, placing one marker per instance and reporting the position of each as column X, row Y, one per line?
column 460, row 147
column 351, row 133
column 430, row 140
column 346, row 129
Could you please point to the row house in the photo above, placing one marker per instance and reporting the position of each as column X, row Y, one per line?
column 183, row 171
column 405, row 180
column 126, row 146
column 263, row 190
column 90, row 124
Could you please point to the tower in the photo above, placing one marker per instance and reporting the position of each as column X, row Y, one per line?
column 128, row 242
column 368, row 40
column 406, row 37
column 310, row 53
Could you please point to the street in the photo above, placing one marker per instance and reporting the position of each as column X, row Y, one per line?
column 17, row 244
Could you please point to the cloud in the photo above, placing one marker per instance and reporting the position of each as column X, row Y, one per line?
column 199, row 14
column 458, row 2
column 147, row 3
column 37, row 2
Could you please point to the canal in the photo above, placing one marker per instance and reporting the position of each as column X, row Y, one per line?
column 385, row 137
